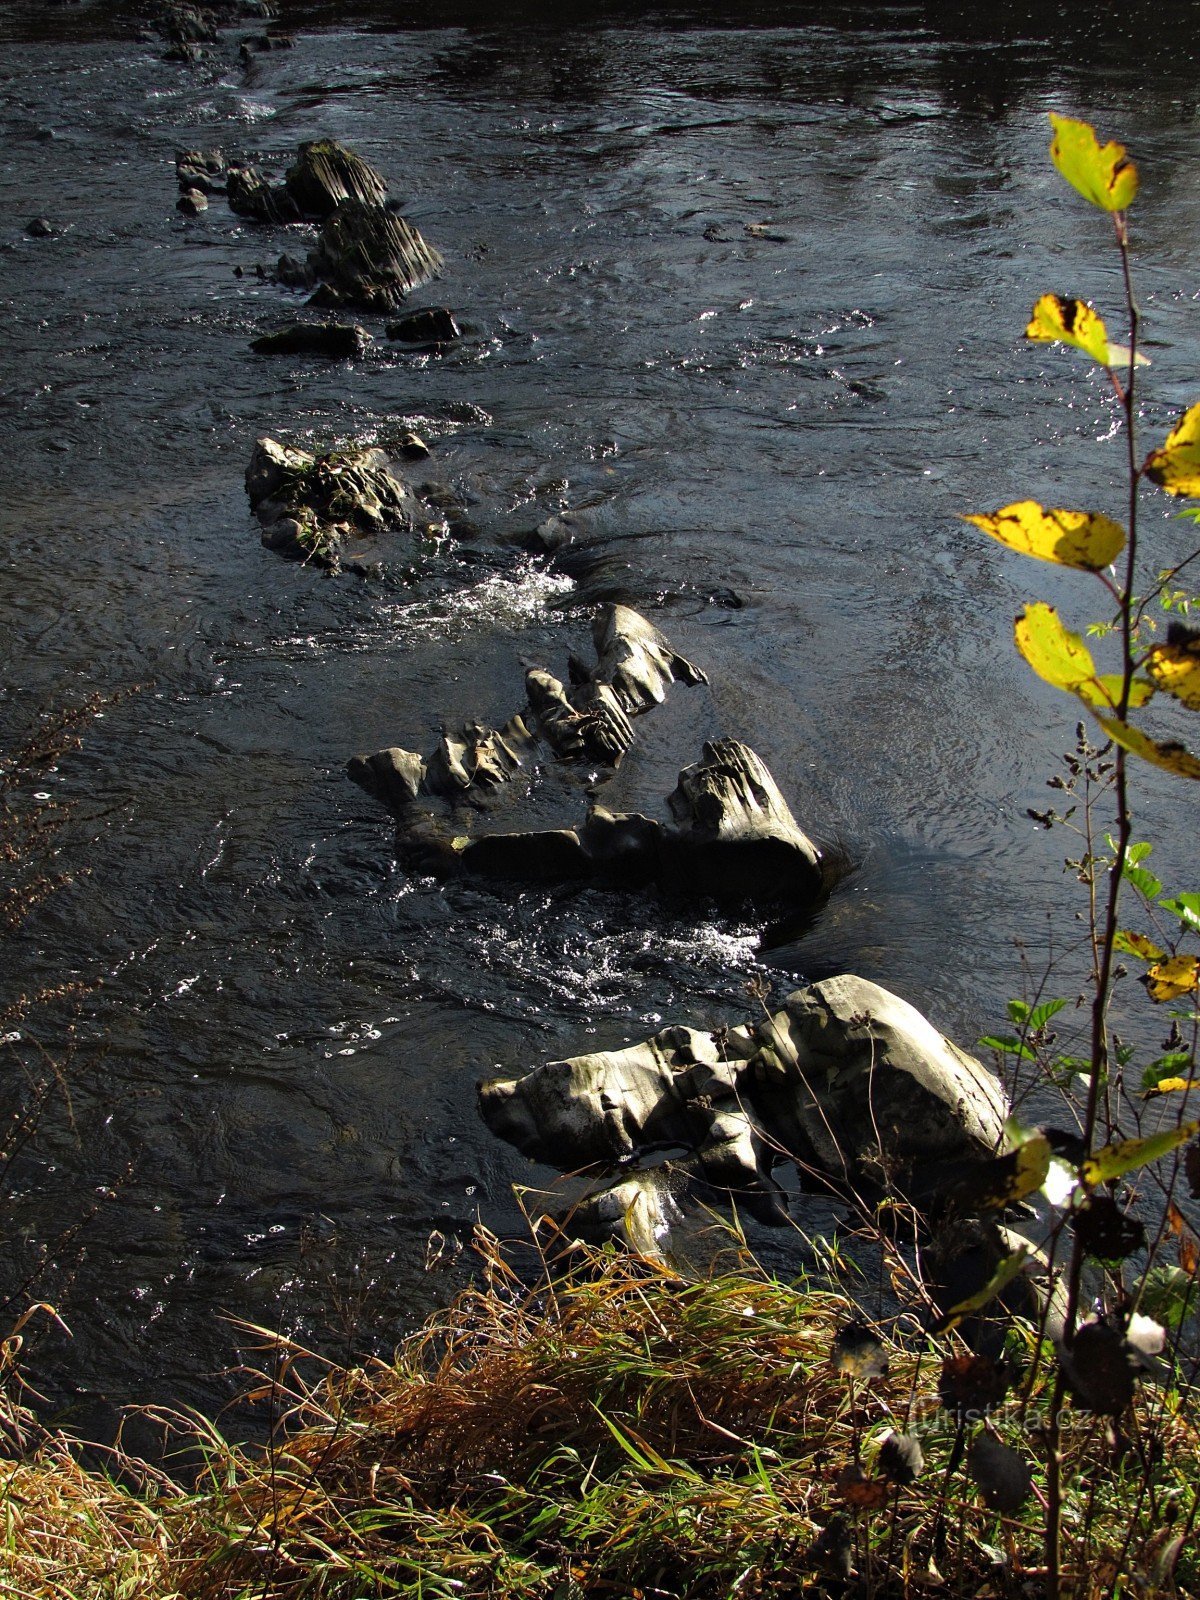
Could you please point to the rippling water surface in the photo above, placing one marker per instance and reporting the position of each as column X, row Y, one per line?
column 746, row 298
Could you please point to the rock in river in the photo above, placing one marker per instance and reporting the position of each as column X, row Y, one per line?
column 587, row 721
column 430, row 327
column 846, row 1081
column 335, row 339
column 332, row 508
column 370, row 257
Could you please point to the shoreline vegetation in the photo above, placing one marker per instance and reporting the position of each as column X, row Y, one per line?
column 583, row 1423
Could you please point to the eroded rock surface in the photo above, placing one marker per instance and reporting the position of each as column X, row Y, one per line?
column 370, row 257
column 338, row 340
column 849, row 1083
column 331, row 509
column 734, row 841
column 587, row 721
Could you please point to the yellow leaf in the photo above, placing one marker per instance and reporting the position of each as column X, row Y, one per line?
column 1167, row 980
column 1118, row 356
column 1137, row 944
column 1167, row 753
column 1171, row 1086
column 1102, row 174
column 1176, row 467
column 1126, row 1155
column 1175, row 665
column 1105, row 691
column 1054, row 653
column 1082, row 539
column 1064, row 321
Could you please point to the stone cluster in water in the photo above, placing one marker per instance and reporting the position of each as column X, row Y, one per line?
column 847, row 1082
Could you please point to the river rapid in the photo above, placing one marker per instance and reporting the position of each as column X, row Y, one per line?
column 749, row 299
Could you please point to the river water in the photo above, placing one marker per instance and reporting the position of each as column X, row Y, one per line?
column 749, row 299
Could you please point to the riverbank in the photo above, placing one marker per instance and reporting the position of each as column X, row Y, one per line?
column 605, row 1428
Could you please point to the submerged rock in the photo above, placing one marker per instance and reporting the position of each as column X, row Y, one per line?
column 39, row 228
column 191, row 202
column 370, row 257
column 330, row 509
column 200, row 169
column 335, row 339
column 847, row 1082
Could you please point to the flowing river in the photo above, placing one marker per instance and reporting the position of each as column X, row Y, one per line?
column 749, row 299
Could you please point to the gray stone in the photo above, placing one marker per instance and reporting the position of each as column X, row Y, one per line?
column 370, row 257
column 431, row 326
column 847, row 1081
column 325, row 174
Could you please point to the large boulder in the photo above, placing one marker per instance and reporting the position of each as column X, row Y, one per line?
column 735, row 843
column 325, row 174
column 846, row 1081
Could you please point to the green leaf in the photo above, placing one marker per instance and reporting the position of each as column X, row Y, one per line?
column 1166, row 1295
column 1186, row 907
column 1018, row 1010
column 1165, row 1068
column 1102, row 174
column 1126, row 1155
column 1176, row 466
column 1007, row 1045
column 1144, row 881
column 1136, row 853
column 1082, row 539
column 1040, row 1015
column 1000, row 1279
column 1137, row 945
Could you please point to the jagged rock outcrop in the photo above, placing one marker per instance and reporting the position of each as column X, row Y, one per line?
column 367, row 255
column 326, row 173
column 370, row 257
column 846, row 1081
column 331, row 509
column 587, row 721
column 733, row 840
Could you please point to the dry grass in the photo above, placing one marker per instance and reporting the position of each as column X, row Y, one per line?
column 611, row 1431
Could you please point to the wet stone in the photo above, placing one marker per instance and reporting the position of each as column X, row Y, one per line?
column 330, row 509
column 433, row 325
column 39, row 228
column 338, row 340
